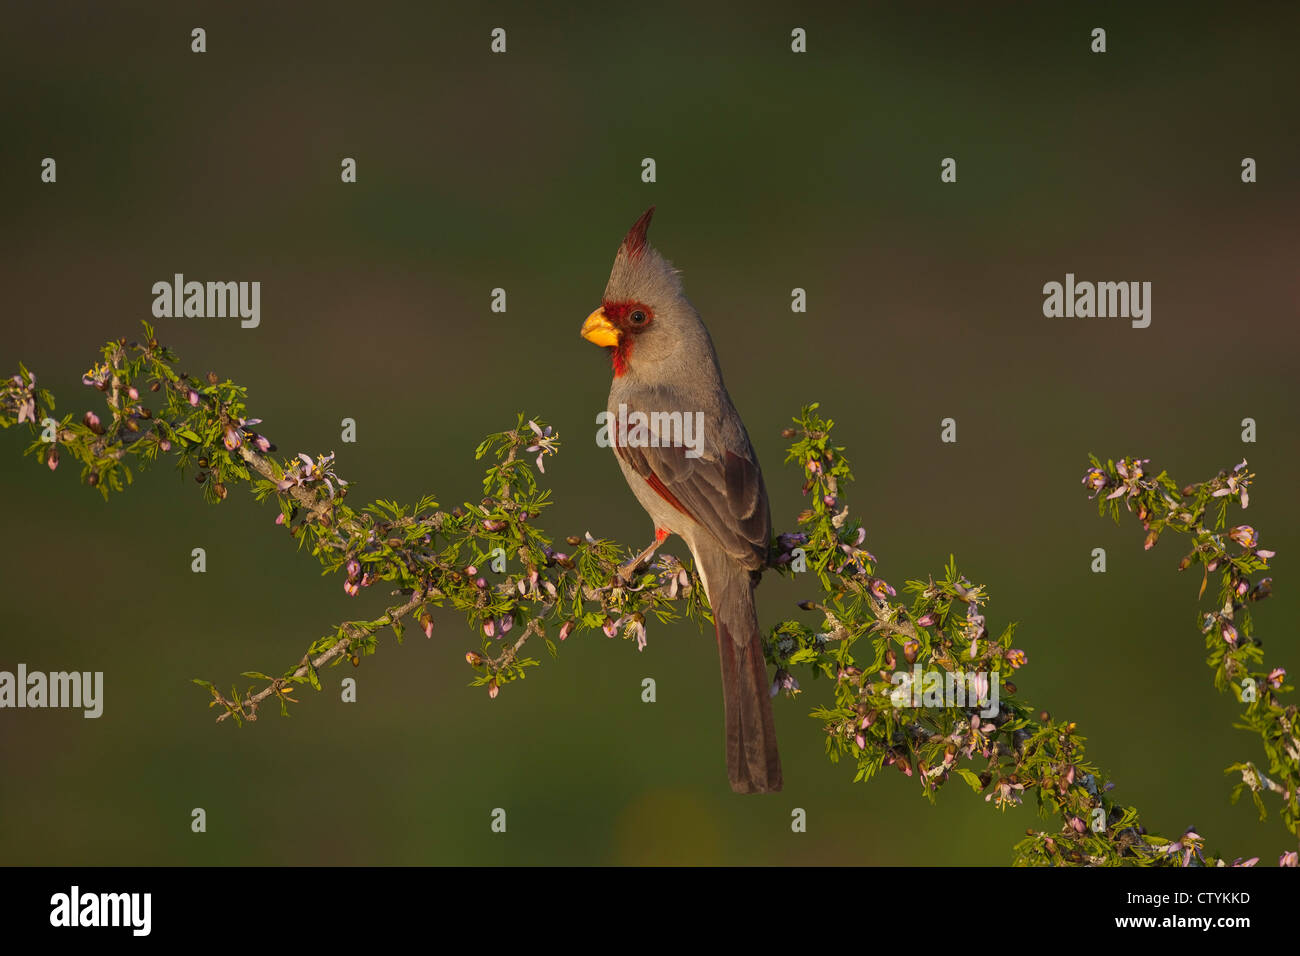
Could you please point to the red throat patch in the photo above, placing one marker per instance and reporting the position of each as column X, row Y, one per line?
column 622, row 315
column 619, row 358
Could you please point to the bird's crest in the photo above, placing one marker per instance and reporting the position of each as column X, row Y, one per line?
column 634, row 243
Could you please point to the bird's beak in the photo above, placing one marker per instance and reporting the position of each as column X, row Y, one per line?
column 599, row 330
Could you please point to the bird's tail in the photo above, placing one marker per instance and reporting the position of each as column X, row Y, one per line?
column 753, row 764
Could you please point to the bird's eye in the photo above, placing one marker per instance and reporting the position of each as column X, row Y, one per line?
column 638, row 317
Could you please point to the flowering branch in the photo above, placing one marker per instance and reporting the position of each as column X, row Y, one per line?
column 490, row 561
column 1200, row 511
column 431, row 556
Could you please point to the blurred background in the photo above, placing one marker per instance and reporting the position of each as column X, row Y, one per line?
column 522, row 171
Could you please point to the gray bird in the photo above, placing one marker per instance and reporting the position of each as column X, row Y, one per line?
column 696, row 476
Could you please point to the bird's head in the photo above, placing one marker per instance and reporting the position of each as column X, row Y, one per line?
column 644, row 317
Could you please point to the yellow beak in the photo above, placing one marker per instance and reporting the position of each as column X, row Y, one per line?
column 599, row 330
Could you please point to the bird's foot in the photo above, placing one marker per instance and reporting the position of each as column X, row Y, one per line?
column 627, row 573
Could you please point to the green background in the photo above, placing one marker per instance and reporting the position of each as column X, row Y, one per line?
column 522, row 171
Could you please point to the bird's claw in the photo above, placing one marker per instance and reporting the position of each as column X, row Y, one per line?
column 625, row 575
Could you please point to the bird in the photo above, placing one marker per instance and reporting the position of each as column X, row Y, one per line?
column 711, row 494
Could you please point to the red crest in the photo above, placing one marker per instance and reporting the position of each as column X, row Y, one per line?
column 634, row 242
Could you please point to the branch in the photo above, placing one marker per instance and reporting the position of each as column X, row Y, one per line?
column 1200, row 511
column 490, row 562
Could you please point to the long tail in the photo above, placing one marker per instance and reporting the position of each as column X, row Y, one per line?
column 753, row 764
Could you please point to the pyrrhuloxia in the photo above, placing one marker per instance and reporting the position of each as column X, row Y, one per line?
column 711, row 494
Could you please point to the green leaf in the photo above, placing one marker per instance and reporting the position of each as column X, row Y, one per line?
column 972, row 779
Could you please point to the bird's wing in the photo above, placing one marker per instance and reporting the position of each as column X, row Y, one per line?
column 722, row 490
